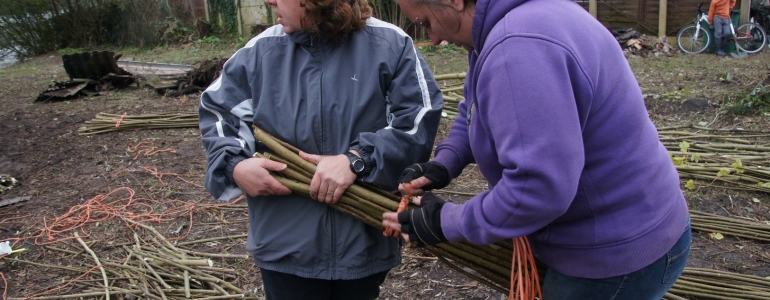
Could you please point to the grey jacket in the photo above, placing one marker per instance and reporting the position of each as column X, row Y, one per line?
column 373, row 91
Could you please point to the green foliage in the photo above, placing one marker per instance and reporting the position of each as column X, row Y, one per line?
column 690, row 185
column 753, row 100
column 678, row 161
column 34, row 27
column 211, row 40
column 177, row 33
column 224, row 17
column 241, row 42
column 68, row 50
column 723, row 172
column 739, row 168
column 442, row 49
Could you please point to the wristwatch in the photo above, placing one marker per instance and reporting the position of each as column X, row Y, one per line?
column 357, row 164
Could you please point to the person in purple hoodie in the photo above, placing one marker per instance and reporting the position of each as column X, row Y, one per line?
column 555, row 121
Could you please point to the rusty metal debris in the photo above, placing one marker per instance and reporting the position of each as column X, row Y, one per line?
column 91, row 73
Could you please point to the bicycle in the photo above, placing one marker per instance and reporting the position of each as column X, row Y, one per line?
column 694, row 38
column 760, row 14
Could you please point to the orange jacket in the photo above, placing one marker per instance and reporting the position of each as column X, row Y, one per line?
column 720, row 8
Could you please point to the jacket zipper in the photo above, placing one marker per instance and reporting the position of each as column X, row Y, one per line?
column 329, row 210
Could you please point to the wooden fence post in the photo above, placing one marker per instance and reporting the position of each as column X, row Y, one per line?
column 592, row 8
column 662, row 17
column 745, row 6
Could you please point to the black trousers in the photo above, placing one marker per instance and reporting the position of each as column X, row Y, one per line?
column 282, row 286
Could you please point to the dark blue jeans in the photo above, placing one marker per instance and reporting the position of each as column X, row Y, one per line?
column 649, row 283
column 282, row 286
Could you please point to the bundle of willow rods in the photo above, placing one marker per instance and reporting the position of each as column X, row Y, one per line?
column 491, row 264
column 110, row 122
column 738, row 159
column 720, row 285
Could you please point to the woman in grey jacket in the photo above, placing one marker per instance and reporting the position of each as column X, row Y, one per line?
column 350, row 91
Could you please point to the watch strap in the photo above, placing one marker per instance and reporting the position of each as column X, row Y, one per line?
column 366, row 157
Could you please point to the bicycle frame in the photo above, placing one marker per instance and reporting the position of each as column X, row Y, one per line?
column 702, row 17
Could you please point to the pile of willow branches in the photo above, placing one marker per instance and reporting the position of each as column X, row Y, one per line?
column 153, row 270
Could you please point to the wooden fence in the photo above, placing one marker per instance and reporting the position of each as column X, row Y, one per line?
column 645, row 15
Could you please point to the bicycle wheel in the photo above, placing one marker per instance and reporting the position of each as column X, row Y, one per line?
column 692, row 40
column 750, row 37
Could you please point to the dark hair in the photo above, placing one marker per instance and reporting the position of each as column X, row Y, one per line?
column 441, row 5
column 335, row 19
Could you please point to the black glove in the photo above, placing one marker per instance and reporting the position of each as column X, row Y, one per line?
column 423, row 224
column 435, row 172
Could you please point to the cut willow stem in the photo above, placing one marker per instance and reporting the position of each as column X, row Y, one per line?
column 98, row 263
column 146, row 265
column 229, row 237
column 450, row 76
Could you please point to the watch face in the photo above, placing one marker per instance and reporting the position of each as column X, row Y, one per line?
column 358, row 165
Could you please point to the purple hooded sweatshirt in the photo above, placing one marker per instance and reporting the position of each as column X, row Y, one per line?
column 555, row 120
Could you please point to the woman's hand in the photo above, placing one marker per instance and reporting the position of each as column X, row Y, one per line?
column 421, row 225
column 423, row 177
column 332, row 176
column 252, row 176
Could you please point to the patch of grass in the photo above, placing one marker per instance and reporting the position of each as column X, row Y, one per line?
column 69, row 50
column 241, row 42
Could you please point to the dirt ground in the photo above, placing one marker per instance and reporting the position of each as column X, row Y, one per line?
column 61, row 171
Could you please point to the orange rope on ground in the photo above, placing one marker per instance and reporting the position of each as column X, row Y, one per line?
column 117, row 123
column 402, row 206
column 159, row 175
column 147, row 149
column 525, row 281
column 112, row 206
column 14, row 218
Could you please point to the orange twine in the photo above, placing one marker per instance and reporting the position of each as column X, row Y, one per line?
column 402, row 206
column 525, row 280
column 147, row 149
column 117, row 124
column 100, row 209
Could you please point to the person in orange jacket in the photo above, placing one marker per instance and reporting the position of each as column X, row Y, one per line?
column 719, row 18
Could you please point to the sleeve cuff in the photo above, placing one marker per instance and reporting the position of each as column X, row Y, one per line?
column 451, row 218
column 366, row 156
column 231, row 162
column 450, row 160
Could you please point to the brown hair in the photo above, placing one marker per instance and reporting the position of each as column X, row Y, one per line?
column 335, row 19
